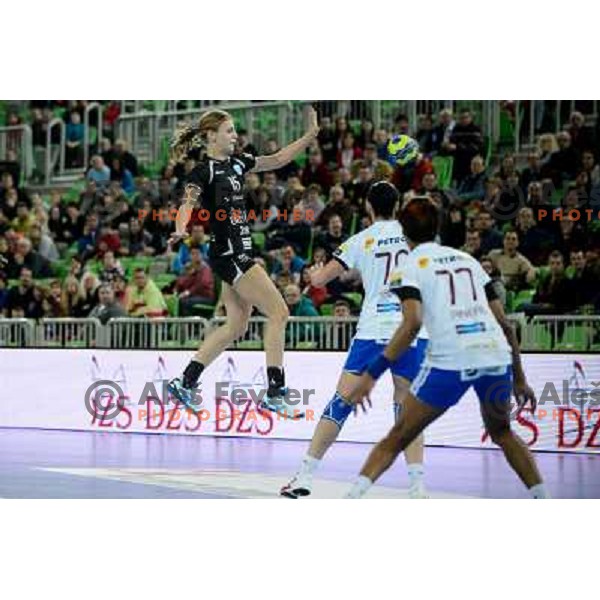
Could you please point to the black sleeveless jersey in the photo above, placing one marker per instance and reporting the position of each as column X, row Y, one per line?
column 221, row 184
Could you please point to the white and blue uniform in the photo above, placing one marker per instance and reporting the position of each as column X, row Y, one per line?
column 467, row 346
column 378, row 253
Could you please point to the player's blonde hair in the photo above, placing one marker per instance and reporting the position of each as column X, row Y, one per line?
column 188, row 135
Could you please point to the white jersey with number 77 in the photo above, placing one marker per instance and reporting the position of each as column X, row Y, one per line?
column 463, row 331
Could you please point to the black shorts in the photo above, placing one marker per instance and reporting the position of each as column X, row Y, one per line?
column 230, row 268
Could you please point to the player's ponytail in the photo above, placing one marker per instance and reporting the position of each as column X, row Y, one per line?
column 193, row 135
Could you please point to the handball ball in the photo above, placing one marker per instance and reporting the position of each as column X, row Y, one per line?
column 402, row 150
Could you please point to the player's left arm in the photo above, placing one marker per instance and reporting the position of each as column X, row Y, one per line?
column 321, row 275
column 522, row 390
column 289, row 152
column 412, row 320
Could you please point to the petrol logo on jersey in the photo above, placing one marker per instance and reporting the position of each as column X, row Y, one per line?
column 423, row 262
column 369, row 243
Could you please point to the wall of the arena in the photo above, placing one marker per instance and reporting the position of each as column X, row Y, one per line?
column 47, row 389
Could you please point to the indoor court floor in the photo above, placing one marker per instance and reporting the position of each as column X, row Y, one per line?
column 71, row 464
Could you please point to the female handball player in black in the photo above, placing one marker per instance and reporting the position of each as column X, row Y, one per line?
column 217, row 181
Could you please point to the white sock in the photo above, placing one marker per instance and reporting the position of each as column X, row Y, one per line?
column 539, row 491
column 309, row 465
column 415, row 473
column 360, row 488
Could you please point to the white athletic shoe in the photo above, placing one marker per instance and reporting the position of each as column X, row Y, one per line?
column 417, row 491
column 299, row 486
column 278, row 404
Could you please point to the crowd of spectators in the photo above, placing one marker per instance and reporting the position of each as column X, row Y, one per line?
column 79, row 256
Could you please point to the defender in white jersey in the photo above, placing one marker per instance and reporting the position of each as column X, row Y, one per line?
column 377, row 253
column 471, row 344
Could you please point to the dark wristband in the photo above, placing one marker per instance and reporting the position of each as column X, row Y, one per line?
column 378, row 366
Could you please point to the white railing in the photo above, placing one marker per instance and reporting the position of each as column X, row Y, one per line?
column 16, row 333
column 19, row 139
column 51, row 157
column 562, row 333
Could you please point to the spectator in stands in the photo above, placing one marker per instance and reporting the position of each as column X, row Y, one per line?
column 244, row 144
column 563, row 164
column 361, row 185
column 24, row 256
column 319, row 255
column 517, row 272
column 126, row 159
column 89, row 196
column 287, row 261
column 123, row 175
column 21, row 297
column 144, row 299
column 98, row 172
column 466, row 142
column 591, row 167
column 341, row 309
column 42, row 244
column 196, row 286
column 108, row 239
column 264, row 211
column 440, row 134
column 107, row 307
column 318, row 295
column 24, row 220
column 533, row 172
column 327, row 142
column 584, row 282
column 535, row 242
column 472, row 187
column 88, row 293
column 424, row 135
column 299, row 305
column 496, row 277
column 138, row 241
column 472, row 244
column 314, row 202
column 507, row 167
column 349, row 152
column 276, row 190
column 582, row 136
column 111, row 268
column 71, row 300
column 197, row 240
column 381, row 141
column 491, row 238
column 337, row 205
column 74, row 141
column 366, row 134
column 454, row 226
column 76, row 268
column 571, row 236
column 73, row 225
column 120, row 289
column 315, row 171
column 554, row 294
column 381, row 169
column 334, row 235
column 10, row 203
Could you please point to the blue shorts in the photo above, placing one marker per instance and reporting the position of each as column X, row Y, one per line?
column 442, row 389
column 362, row 352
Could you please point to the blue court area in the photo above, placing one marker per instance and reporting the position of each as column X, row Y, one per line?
column 70, row 464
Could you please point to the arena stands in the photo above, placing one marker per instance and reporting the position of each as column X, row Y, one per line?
column 86, row 188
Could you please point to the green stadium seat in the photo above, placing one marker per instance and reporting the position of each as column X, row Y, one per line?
column 326, row 310
column 355, row 298
column 258, row 240
column 307, row 346
column 249, row 345
column 523, row 297
column 443, row 166
column 172, row 305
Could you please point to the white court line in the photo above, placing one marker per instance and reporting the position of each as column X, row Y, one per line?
column 234, row 484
